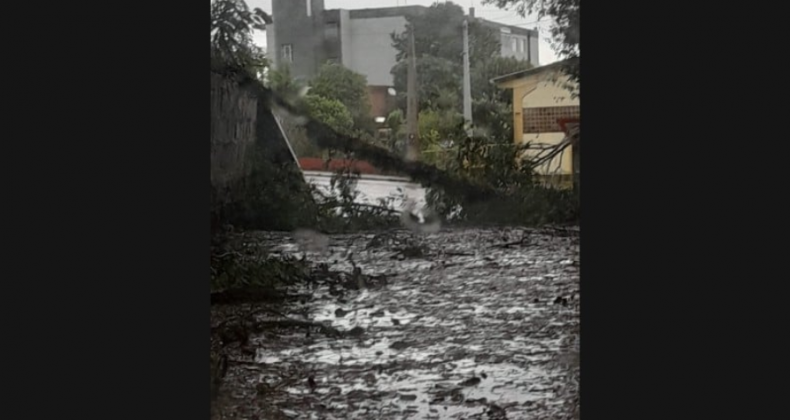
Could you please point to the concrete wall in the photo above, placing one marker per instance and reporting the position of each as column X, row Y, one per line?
column 546, row 95
column 233, row 120
column 526, row 47
column 302, row 31
column 271, row 44
column 544, row 92
column 521, row 51
column 364, row 44
column 345, row 38
column 533, row 51
column 549, row 93
column 371, row 50
column 381, row 102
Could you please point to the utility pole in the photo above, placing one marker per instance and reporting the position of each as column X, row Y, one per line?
column 412, row 129
column 467, row 79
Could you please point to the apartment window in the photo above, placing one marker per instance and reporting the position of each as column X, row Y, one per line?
column 331, row 30
column 287, row 53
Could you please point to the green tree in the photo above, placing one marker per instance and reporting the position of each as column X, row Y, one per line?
column 438, row 33
column 438, row 47
column 493, row 118
column 334, row 81
column 282, row 82
column 438, row 82
column 440, row 131
column 564, row 15
column 330, row 112
column 232, row 23
column 482, row 73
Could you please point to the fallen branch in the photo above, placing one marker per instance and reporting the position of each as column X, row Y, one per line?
column 246, row 316
column 246, row 295
column 383, row 159
column 513, row 243
column 377, row 207
column 560, row 231
column 459, row 254
column 285, row 323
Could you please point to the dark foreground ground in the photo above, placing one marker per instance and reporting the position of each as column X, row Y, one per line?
column 463, row 324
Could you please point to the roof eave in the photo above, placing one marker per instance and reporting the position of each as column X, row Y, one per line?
column 529, row 72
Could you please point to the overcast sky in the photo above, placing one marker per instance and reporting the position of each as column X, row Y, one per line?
column 489, row 12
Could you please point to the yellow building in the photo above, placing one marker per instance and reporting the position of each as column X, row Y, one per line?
column 544, row 110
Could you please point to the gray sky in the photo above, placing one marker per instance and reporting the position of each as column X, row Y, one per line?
column 546, row 54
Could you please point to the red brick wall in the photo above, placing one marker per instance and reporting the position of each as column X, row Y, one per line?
column 544, row 120
column 380, row 101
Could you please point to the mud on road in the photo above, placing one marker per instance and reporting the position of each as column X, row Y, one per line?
column 462, row 324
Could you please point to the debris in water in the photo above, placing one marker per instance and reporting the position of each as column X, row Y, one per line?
column 441, row 328
column 370, row 379
column 424, row 220
column 356, row 332
column 470, row 382
column 399, row 345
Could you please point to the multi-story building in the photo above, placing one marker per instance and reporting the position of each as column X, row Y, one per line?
column 360, row 39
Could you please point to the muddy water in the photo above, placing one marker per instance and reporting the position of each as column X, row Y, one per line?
column 469, row 329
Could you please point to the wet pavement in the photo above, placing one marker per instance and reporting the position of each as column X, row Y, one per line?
column 458, row 324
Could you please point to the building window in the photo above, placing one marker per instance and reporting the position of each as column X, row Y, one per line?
column 546, row 119
column 513, row 43
column 287, row 53
column 331, row 30
column 505, row 39
column 521, row 45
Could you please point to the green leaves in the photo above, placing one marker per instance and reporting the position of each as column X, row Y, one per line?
column 334, row 81
column 438, row 79
column 232, row 23
column 438, row 33
column 330, row 112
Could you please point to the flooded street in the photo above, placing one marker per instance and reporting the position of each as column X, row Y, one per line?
column 461, row 324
